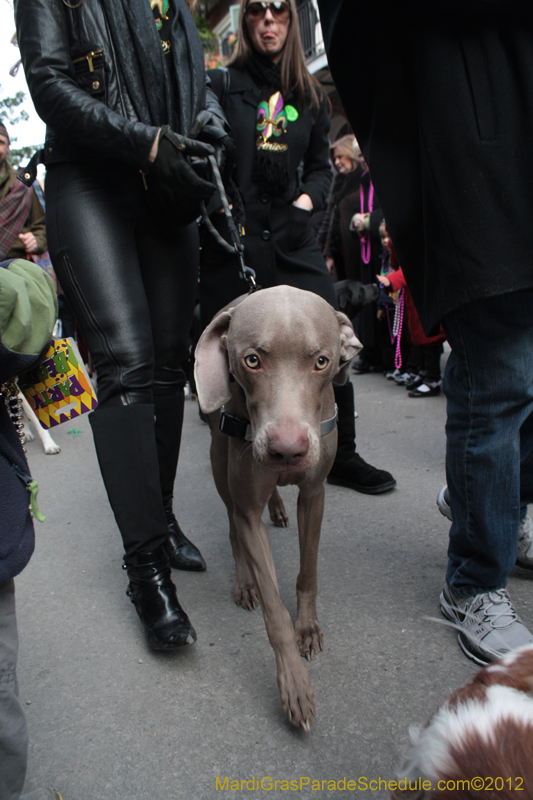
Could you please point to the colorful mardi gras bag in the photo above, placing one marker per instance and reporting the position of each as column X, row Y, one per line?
column 59, row 389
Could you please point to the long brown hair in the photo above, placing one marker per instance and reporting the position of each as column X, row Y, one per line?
column 294, row 72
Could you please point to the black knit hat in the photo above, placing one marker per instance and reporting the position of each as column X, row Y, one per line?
column 3, row 132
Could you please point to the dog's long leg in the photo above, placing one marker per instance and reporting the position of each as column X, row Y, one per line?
column 297, row 696
column 276, row 510
column 245, row 594
column 309, row 636
column 50, row 447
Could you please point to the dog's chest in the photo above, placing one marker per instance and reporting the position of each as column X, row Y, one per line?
column 290, row 478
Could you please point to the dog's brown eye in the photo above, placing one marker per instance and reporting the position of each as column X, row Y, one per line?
column 252, row 361
column 321, row 362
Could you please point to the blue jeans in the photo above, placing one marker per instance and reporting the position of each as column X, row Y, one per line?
column 489, row 433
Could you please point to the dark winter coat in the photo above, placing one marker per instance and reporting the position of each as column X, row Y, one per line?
column 444, row 115
column 334, row 235
column 279, row 244
column 28, row 309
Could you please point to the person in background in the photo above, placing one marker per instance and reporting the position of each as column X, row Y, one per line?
column 22, row 229
column 122, row 88
column 364, row 229
column 426, row 380
column 390, row 311
column 28, row 310
column 339, row 249
column 278, row 117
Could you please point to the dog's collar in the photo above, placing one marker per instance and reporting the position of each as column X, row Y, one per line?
column 241, row 429
column 328, row 425
column 235, row 426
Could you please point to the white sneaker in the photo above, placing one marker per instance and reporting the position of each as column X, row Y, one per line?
column 525, row 543
column 488, row 624
column 443, row 503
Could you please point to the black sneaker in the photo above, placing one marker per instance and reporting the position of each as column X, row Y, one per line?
column 355, row 473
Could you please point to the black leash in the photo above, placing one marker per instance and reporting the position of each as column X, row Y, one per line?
column 237, row 246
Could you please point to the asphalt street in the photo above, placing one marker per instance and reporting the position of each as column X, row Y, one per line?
column 110, row 720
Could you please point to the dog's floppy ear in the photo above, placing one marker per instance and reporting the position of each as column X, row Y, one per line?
column 211, row 369
column 350, row 346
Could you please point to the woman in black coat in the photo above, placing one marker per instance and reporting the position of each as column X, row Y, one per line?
column 334, row 237
column 124, row 98
column 279, row 123
column 281, row 171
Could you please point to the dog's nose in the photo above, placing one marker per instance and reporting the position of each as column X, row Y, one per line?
column 289, row 448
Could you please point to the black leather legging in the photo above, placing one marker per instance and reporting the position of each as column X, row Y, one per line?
column 131, row 278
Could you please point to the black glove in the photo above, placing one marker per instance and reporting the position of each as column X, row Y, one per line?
column 207, row 127
column 172, row 168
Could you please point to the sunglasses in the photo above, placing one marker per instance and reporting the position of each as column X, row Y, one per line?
column 256, row 10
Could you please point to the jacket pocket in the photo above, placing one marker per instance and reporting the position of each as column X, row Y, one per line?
column 89, row 73
column 478, row 76
column 298, row 228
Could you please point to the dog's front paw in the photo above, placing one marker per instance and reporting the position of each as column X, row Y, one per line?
column 30, row 437
column 309, row 639
column 246, row 596
column 51, row 448
column 276, row 510
column 297, row 696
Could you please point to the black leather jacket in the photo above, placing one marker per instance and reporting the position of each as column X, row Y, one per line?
column 77, row 85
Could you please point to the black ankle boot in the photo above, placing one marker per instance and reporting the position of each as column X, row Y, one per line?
column 182, row 553
column 349, row 469
column 153, row 594
column 355, row 473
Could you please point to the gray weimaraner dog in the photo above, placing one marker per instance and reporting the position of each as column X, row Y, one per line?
column 270, row 360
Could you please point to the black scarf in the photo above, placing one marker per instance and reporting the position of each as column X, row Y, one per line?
column 271, row 167
column 146, row 73
column 266, row 74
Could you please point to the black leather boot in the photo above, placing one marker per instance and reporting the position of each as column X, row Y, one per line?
column 153, row 594
column 349, row 469
column 182, row 552
column 125, row 445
